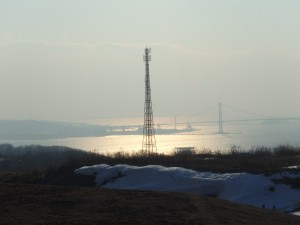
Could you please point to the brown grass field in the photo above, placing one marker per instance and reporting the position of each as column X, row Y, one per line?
column 50, row 204
column 38, row 186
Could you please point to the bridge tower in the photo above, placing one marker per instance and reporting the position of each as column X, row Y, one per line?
column 149, row 142
column 221, row 131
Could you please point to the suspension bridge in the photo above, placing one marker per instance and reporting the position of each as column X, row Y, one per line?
column 218, row 115
column 220, row 121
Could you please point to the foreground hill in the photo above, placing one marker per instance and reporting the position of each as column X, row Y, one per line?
column 42, row 204
column 259, row 190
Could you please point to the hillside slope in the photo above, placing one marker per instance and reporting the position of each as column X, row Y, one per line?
column 44, row 204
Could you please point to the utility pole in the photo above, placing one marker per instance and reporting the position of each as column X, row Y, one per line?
column 149, row 142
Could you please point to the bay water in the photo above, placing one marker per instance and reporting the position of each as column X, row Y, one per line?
column 245, row 135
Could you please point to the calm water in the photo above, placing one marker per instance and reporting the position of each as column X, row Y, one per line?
column 243, row 135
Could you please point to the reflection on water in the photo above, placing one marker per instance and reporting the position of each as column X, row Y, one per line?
column 245, row 136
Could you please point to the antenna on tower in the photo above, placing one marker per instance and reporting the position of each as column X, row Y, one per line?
column 149, row 142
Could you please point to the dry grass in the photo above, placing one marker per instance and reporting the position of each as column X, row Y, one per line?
column 38, row 204
column 257, row 160
column 49, row 204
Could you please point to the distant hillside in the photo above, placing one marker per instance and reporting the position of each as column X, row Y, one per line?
column 37, row 130
column 33, row 130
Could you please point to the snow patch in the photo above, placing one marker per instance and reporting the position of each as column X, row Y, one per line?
column 256, row 190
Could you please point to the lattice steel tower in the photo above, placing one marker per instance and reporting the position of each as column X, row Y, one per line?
column 221, row 131
column 149, row 142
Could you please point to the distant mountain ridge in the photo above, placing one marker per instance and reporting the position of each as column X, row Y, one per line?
column 33, row 130
column 42, row 130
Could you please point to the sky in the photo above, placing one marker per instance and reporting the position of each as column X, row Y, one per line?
column 78, row 60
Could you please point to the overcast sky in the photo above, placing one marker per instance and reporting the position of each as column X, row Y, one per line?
column 77, row 60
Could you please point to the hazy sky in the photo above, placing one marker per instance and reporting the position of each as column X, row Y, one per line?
column 76, row 60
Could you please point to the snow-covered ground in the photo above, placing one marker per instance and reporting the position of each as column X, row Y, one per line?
column 256, row 190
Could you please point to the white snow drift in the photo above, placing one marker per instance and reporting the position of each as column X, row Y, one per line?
column 255, row 190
